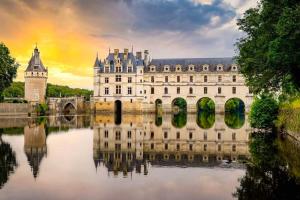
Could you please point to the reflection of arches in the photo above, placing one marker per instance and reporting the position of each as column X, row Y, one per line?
column 158, row 112
column 69, row 118
column 179, row 109
column 69, row 108
column 118, row 112
column 235, row 105
column 205, row 113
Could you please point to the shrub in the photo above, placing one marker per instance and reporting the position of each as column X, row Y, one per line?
column 263, row 112
column 42, row 109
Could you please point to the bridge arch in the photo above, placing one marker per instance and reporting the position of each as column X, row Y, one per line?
column 179, row 110
column 69, row 108
column 205, row 112
column 234, row 113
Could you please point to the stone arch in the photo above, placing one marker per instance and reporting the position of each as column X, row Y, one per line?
column 179, row 110
column 158, row 112
column 205, row 112
column 234, row 113
column 69, row 108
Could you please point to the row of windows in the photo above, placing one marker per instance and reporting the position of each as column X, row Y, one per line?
column 118, row 78
column 129, row 134
column 166, row 90
column 191, row 68
column 191, row 79
column 118, row 69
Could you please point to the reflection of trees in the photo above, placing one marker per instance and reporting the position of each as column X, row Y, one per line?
column 158, row 120
column 234, row 120
column 205, row 119
column 8, row 162
column 179, row 120
column 267, row 175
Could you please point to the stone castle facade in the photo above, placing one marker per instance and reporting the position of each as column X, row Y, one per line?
column 138, row 83
column 35, row 79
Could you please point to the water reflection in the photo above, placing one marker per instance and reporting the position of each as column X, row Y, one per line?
column 234, row 120
column 139, row 142
column 8, row 162
column 269, row 175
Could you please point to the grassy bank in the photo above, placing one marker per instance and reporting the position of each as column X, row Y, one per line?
column 289, row 116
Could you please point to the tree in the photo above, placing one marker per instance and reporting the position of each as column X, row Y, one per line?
column 269, row 54
column 8, row 68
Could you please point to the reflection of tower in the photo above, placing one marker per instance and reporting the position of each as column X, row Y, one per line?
column 35, row 146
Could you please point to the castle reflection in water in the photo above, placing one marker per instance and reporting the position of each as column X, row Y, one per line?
column 140, row 142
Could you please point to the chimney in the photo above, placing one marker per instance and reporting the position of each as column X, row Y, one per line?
column 125, row 54
column 146, row 57
column 139, row 55
column 116, row 53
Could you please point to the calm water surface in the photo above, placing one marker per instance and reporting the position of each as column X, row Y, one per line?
column 93, row 157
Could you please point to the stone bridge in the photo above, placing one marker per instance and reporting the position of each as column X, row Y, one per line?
column 66, row 105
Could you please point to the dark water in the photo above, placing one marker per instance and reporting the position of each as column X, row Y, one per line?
column 144, row 157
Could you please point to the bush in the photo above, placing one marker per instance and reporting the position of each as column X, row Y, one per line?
column 263, row 112
column 42, row 109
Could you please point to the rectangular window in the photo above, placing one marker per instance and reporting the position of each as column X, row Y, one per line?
column 152, row 135
column 152, row 79
column 129, row 145
column 219, row 78
column 205, row 147
column 219, row 147
column 118, row 68
column 165, row 135
column 233, row 90
column 152, row 146
column 205, row 136
column 166, row 79
column 178, row 147
column 205, row 90
column 219, row 90
column 118, row 89
column 191, row 79
column 219, row 136
column 166, row 146
column 129, row 69
column 191, row 147
column 129, row 90
column 178, row 135
column 178, row 90
column 106, row 133
column 106, row 69
column 118, row 135
column 106, row 90
column 205, row 78
column 191, row 90
column 106, row 80
column 233, row 136
column 166, row 90
column 191, row 135
column 129, row 79
column 178, row 79
column 105, row 145
column 129, row 134
column 233, row 147
column 152, row 90
column 118, row 78
column 234, row 78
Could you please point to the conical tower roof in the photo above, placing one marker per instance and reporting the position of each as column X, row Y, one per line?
column 35, row 63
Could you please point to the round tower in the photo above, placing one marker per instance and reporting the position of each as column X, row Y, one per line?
column 35, row 79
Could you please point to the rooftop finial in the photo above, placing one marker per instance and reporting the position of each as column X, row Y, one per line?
column 109, row 50
column 97, row 54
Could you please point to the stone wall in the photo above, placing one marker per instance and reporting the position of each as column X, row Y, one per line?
column 9, row 109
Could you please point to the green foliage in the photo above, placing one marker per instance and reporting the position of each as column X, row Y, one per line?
column 42, row 109
column 205, row 119
column 8, row 69
column 179, row 120
column 234, row 120
column 206, row 104
column 181, row 103
column 269, row 54
column 65, row 91
column 17, row 90
column 263, row 112
column 234, row 105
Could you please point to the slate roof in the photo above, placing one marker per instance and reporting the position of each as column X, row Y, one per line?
column 35, row 63
column 197, row 62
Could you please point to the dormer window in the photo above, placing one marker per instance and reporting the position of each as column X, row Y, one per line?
column 36, row 67
column 129, row 69
column 191, row 67
column 118, row 68
column 106, row 69
column 234, row 68
column 219, row 67
column 166, row 68
column 152, row 68
column 205, row 67
column 178, row 68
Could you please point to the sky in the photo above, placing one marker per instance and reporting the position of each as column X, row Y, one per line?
column 70, row 33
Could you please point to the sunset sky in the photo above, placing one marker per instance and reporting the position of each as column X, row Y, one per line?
column 69, row 33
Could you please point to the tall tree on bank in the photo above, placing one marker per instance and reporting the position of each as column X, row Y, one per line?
column 269, row 54
column 8, row 68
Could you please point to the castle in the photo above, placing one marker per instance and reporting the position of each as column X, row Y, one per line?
column 35, row 79
column 137, row 83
